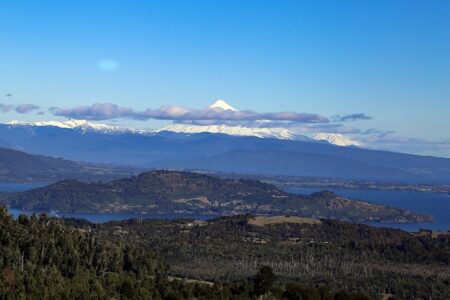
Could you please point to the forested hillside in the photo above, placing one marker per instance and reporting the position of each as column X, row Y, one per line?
column 184, row 192
column 360, row 258
column 44, row 258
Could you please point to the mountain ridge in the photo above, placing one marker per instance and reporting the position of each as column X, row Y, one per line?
column 85, row 126
column 193, row 151
column 20, row 167
column 219, row 105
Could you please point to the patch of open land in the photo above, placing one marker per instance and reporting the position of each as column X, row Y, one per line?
column 263, row 221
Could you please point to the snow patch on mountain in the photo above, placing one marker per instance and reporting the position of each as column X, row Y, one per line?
column 277, row 133
column 82, row 125
column 336, row 139
column 86, row 126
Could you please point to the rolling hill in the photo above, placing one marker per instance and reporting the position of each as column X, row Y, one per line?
column 184, row 192
column 17, row 166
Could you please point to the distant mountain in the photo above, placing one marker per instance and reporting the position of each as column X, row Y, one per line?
column 183, row 192
column 79, row 125
column 221, row 152
column 261, row 131
column 86, row 126
column 221, row 104
column 17, row 166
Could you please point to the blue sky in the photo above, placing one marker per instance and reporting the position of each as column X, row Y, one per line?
column 389, row 60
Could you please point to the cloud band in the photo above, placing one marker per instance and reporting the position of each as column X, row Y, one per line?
column 105, row 111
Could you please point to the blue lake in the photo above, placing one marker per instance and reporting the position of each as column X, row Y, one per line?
column 19, row 187
column 106, row 217
column 437, row 205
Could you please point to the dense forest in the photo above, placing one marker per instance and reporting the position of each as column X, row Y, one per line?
column 183, row 192
column 359, row 258
column 240, row 257
column 48, row 258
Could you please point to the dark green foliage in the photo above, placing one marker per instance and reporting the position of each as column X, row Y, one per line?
column 264, row 280
column 334, row 254
column 43, row 258
column 47, row 258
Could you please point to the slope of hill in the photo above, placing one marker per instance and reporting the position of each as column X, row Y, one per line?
column 276, row 162
column 17, row 166
column 182, row 192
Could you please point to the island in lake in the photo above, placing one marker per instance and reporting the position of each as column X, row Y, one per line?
column 169, row 192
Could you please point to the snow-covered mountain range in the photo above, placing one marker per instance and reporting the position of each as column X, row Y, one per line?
column 234, row 130
column 238, row 150
column 82, row 125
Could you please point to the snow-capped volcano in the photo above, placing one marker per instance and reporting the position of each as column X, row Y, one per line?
column 239, row 130
column 336, row 139
column 221, row 104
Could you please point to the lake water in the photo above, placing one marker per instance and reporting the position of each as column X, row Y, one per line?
column 106, row 217
column 19, row 187
column 437, row 205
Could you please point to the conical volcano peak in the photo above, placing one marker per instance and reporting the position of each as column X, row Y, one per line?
column 221, row 104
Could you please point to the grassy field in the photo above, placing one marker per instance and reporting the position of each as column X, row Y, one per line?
column 263, row 221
